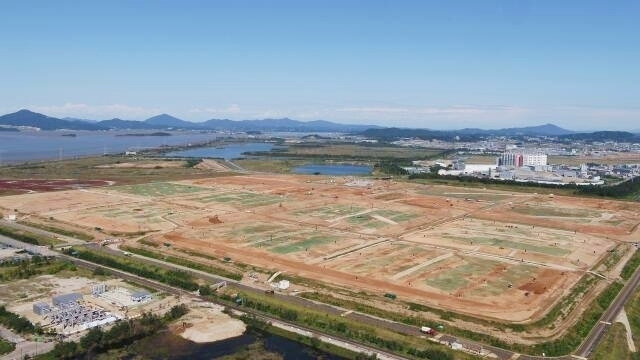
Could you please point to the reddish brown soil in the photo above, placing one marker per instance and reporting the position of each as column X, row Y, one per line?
column 539, row 285
column 48, row 185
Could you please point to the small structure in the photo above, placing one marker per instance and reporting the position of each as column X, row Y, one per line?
column 41, row 308
column 140, row 296
column 283, row 284
column 99, row 289
column 65, row 299
column 11, row 217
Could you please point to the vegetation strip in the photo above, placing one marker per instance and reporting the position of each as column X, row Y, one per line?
column 184, row 262
column 408, row 346
column 176, row 278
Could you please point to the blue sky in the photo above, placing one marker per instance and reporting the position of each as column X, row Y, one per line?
column 435, row 64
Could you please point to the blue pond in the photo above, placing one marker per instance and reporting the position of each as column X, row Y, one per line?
column 227, row 152
column 337, row 169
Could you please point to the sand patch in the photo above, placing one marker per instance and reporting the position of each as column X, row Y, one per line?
column 209, row 324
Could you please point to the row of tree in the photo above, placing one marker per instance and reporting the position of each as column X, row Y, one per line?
column 16, row 322
column 176, row 278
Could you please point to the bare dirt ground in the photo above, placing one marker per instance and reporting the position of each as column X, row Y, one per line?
column 143, row 165
column 212, row 165
column 37, row 185
column 492, row 254
column 207, row 323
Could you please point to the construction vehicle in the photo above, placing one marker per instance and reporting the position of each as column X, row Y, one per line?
column 427, row 330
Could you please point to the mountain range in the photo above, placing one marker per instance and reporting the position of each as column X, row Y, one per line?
column 26, row 118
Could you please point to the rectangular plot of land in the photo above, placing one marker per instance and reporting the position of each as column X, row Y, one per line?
column 511, row 277
column 158, row 189
column 555, row 211
column 303, row 245
column 460, row 276
column 242, row 199
column 516, row 245
column 395, row 216
column 330, row 212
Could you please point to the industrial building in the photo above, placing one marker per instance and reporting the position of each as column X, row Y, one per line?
column 140, row 296
column 66, row 299
column 41, row 308
column 518, row 159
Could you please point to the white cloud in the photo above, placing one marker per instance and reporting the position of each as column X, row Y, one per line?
column 96, row 112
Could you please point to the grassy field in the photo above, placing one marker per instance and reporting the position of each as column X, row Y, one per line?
column 303, row 245
column 633, row 313
column 245, row 199
column 623, row 158
column 330, row 212
column 155, row 189
column 516, row 245
column 269, row 165
column 88, row 169
column 554, row 211
column 359, row 151
column 458, row 277
column 614, row 345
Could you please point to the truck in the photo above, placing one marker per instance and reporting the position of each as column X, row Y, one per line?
column 427, row 330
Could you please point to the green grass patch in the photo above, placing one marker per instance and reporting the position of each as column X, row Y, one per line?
column 6, row 346
column 631, row 265
column 395, row 215
column 243, row 199
column 633, row 313
column 184, row 262
column 158, row 189
column 554, row 211
column 330, row 212
column 458, row 277
column 57, row 230
column 303, row 245
column 614, row 345
column 548, row 250
column 27, row 236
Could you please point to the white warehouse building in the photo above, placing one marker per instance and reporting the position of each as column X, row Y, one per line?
column 534, row 159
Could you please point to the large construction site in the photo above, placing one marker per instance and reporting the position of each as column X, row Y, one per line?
column 487, row 253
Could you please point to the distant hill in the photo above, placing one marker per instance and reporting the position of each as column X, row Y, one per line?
column 619, row 136
column 33, row 119
column 166, row 120
column 390, row 134
column 284, row 124
column 116, row 124
column 540, row 130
